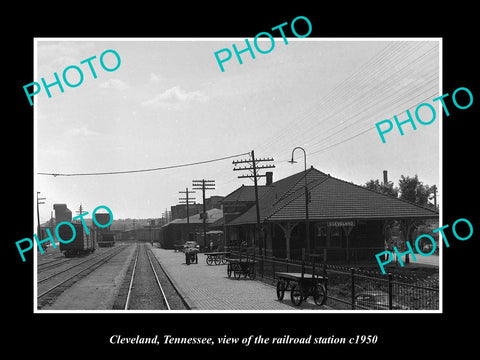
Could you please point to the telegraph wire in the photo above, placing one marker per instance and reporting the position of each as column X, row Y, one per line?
column 396, row 102
column 363, row 100
column 361, row 78
column 340, row 141
column 366, row 130
column 337, row 92
column 143, row 170
column 325, row 100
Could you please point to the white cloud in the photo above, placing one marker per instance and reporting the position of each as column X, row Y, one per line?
column 174, row 98
column 55, row 56
column 116, row 84
column 155, row 79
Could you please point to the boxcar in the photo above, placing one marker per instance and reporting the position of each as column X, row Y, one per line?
column 82, row 244
column 106, row 240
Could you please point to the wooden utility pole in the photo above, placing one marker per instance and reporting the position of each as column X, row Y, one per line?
column 166, row 217
column 254, row 167
column 187, row 201
column 39, row 202
column 79, row 212
column 204, row 185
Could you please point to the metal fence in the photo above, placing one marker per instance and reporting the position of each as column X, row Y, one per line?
column 353, row 288
column 329, row 255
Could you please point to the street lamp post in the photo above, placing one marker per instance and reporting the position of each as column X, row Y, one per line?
column 307, row 223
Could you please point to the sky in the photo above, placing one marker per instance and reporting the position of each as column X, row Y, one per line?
column 168, row 103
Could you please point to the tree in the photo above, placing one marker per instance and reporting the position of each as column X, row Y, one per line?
column 387, row 189
column 410, row 189
column 433, row 191
column 413, row 190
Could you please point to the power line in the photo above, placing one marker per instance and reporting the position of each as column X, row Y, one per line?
column 143, row 170
column 348, row 132
column 364, row 131
column 415, row 61
column 362, row 115
column 363, row 103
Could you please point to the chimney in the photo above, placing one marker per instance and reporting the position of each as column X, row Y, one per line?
column 269, row 177
column 385, row 177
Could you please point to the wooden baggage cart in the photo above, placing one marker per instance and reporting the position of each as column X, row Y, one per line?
column 239, row 267
column 191, row 250
column 301, row 286
column 191, row 256
column 217, row 258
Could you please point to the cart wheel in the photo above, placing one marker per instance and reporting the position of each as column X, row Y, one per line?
column 296, row 295
column 280, row 290
column 209, row 260
column 252, row 273
column 224, row 260
column 229, row 270
column 217, row 260
column 237, row 272
column 320, row 294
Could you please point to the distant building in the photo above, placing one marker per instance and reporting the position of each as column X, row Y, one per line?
column 62, row 213
column 214, row 202
column 178, row 231
column 180, row 211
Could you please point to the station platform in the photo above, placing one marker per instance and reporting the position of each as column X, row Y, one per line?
column 207, row 287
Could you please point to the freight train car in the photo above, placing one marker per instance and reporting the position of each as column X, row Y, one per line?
column 82, row 244
column 103, row 235
column 106, row 240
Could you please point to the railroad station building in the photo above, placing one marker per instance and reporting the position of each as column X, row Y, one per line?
column 178, row 231
column 346, row 221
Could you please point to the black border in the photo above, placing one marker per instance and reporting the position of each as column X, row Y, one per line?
column 88, row 334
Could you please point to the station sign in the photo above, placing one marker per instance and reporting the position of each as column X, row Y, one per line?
column 340, row 223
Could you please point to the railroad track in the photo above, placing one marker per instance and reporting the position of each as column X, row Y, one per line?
column 52, row 287
column 50, row 264
column 149, row 287
column 88, row 259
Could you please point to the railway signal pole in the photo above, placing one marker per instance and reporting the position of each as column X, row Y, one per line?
column 204, row 185
column 254, row 167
